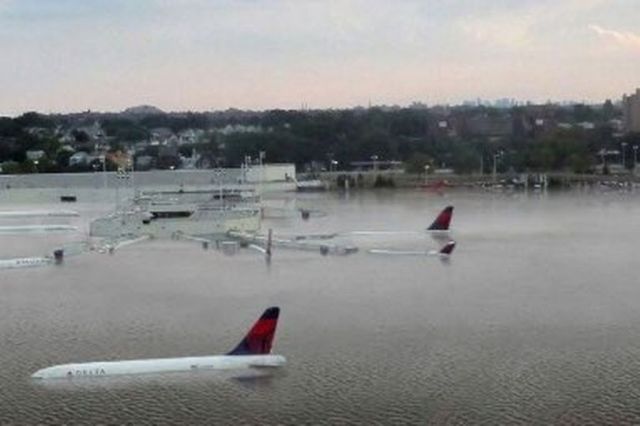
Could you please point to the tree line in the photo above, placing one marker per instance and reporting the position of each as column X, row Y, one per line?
column 415, row 136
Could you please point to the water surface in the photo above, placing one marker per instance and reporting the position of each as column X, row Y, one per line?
column 535, row 319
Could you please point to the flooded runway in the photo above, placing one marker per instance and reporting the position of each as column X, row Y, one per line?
column 534, row 319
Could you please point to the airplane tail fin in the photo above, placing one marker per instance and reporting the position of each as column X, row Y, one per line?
column 260, row 338
column 443, row 220
column 448, row 248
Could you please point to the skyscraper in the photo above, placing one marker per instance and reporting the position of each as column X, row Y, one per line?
column 631, row 112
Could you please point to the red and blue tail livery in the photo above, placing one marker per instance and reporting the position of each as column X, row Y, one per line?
column 443, row 220
column 260, row 338
column 448, row 248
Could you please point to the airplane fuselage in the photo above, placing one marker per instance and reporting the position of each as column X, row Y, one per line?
column 37, row 213
column 18, row 229
column 25, row 262
column 160, row 365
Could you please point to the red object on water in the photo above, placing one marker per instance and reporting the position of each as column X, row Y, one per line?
column 436, row 186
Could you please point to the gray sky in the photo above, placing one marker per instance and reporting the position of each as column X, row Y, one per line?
column 73, row 55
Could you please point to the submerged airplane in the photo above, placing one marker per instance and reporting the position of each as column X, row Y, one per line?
column 322, row 243
column 442, row 222
column 56, row 257
column 25, row 262
column 440, row 226
column 19, row 229
column 254, row 351
column 10, row 214
column 444, row 252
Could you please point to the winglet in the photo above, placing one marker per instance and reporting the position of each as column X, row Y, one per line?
column 448, row 248
column 260, row 338
column 443, row 220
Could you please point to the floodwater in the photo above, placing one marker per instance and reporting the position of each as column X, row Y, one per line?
column 534, row 319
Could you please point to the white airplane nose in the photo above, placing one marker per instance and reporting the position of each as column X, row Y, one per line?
column 43, row 373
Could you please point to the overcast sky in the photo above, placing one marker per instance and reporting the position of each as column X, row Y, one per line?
column 106, row 55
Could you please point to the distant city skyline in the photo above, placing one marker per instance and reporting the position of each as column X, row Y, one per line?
column 107, row 55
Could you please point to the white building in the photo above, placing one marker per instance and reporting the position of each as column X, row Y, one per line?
column 35, row 155
column 79, row 159
column 239, row 128
column 190, row 136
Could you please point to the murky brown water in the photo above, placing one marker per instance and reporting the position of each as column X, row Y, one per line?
column 535, row 319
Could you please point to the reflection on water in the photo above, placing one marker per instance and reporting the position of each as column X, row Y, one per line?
column 250, row 378
column 535, row 318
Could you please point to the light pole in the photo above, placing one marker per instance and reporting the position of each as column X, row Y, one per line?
column 262, row 156
column 635, row 157
column 121, row 174
column 245, row 169
column 374, row 159
column 103, row 158
column 330, row 159
column 131, row 165
column 334, row 165
column 624, row 146
column 219, row 173
column 495, row 164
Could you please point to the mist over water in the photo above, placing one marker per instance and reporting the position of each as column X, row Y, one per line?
column 534, row 319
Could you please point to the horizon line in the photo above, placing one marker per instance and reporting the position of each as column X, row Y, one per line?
column 305, row 107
